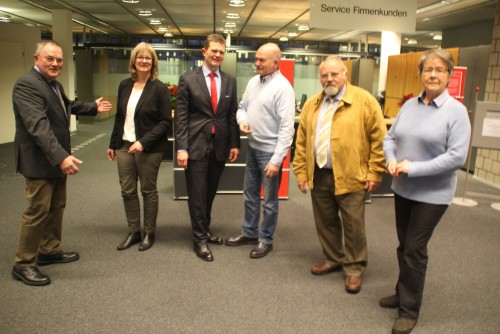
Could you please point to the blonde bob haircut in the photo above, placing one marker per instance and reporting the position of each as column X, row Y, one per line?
column 143, row 47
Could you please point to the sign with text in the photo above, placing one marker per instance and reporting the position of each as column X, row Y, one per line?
column 366, row 15
column 456, row 86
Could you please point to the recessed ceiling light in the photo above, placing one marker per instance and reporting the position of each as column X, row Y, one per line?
column 131, row 1
column 236, row 3
column 233, row 15
column 145, row 13
column 228, row 31
column 230, row 25
column 4, row 18
column 412, row 41
column 155, row 21
column 438, row 37
column 292, row 34
column 168, row 34
column 283, row 39
column 303, row 28
column 162, row 29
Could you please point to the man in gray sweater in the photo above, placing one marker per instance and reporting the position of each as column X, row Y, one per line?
column 266, row 114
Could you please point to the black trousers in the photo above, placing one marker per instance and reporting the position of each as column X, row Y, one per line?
column 415, row 223
column 202, row 181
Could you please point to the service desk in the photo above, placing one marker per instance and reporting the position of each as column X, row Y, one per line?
column 231, row 181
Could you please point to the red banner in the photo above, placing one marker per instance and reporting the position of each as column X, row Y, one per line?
column 456, row 86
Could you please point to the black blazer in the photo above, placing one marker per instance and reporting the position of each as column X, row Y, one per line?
column 42, row 137
column 194, row 116
column 153, row 115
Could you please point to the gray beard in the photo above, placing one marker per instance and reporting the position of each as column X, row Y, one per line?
column 331, row 90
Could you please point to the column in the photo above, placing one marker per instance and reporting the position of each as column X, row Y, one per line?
column 390, row 45
column 62, row 33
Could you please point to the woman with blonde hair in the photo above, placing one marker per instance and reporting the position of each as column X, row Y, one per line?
column 138, row 140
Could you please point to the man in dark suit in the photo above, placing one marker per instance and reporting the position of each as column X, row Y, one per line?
column 43, row 156
column 206, row 135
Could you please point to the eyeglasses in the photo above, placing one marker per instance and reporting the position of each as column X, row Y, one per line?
column 437, row 70
column 144, row 59
column 50, row 59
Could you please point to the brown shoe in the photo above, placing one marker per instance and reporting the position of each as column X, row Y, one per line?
column 353, row 284
column 403, row 325
column 389, row 302
column 324, row 268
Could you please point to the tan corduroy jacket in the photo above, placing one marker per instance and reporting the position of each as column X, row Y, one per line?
column 357, row 135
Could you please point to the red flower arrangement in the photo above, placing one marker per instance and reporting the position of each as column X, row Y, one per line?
column 173, row 92
column 405, row 98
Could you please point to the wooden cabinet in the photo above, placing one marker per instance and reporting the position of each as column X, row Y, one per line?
column 403, row 78
column 396, row 74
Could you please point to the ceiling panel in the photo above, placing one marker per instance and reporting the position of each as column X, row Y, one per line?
column 265, row 19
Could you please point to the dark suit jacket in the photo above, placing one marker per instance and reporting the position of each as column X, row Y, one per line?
column 152, row 119
column 42, row 137
column 194, row 116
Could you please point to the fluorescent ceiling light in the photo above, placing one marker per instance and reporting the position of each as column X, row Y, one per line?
column 162, row 29
column 236, row 3
column 303, row 28
column 438, row 37
column 283, row 39
column 233, row 15
column 435, row 6
column 131, row 1
column 230, row 25
column 412, row 41
column 4, row 18
column 155, row 21
column 292, row 34
column 145, row 13
column 168, row 34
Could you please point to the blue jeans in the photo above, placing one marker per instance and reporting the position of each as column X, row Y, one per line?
column 255, row 176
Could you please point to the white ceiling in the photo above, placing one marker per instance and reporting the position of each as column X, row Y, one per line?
column 263, row 19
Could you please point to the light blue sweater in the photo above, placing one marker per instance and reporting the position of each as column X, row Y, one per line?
column 269, row 109
column 435, row 139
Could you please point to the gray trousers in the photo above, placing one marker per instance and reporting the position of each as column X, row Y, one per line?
column 142, row 167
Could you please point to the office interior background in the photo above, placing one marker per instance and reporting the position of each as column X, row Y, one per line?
column 102, row 34
column 105, row 31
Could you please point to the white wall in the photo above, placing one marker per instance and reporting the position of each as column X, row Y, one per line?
column 17, row 43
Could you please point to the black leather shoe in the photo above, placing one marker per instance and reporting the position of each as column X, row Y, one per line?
column 131, row 239
column 61, row 257
column 203, row 252
column 241, row 240
column 261, row 250
column 30, row 275
column 149, row 240
column 212, row 239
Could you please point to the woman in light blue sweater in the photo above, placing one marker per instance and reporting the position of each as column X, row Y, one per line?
column 427, row 143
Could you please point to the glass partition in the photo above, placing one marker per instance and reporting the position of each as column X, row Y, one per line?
column 110, row 66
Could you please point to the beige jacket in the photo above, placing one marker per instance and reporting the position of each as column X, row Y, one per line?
column 357, row 135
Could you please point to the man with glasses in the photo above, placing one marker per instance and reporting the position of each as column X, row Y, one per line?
column 339, row 157
column 43, row 155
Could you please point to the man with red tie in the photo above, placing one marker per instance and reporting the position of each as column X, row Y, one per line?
column 206, row 135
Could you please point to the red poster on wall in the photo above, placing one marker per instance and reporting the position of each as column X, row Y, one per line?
column 456, row 86
column 287, row 67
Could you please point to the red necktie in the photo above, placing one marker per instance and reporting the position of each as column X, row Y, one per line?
column 213, row 91
column 213, row 94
